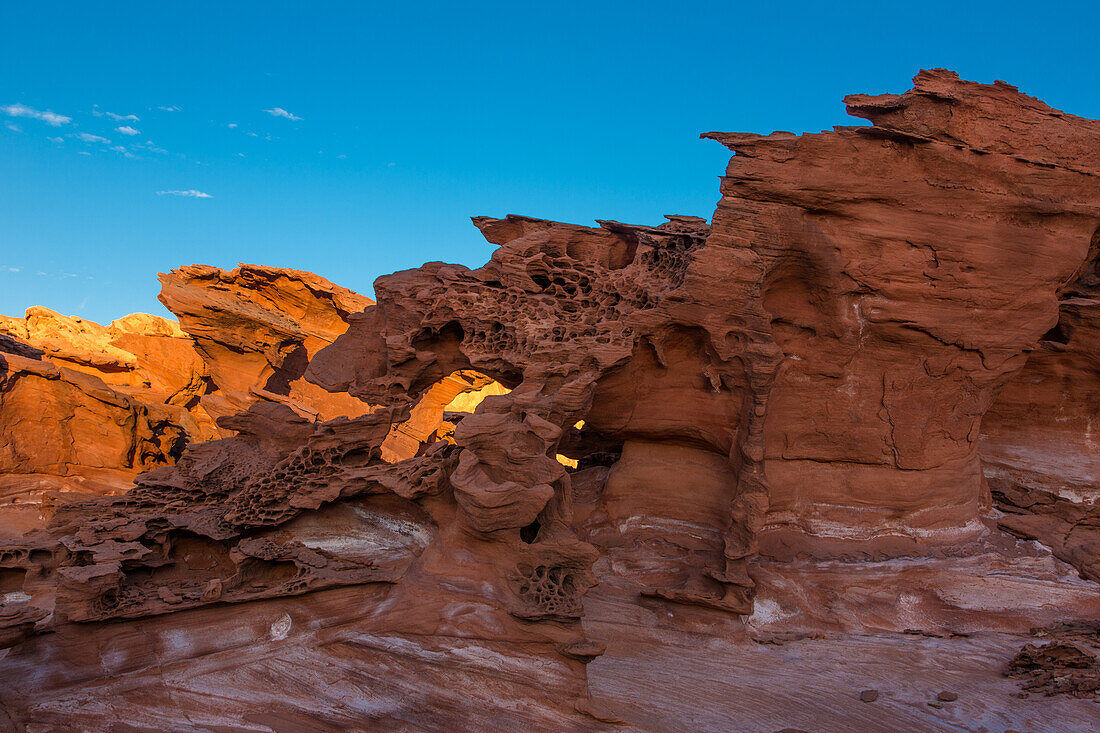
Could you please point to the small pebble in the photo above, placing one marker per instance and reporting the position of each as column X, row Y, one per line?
column 946, row 696
column 937, row 705
column 868, row 695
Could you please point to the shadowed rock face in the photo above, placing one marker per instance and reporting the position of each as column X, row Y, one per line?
column 1040, row 441
column 772, row 428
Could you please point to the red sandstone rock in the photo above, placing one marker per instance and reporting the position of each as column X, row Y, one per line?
column 103, row 403
column 775, row 419
column 1067, row 664
column 1040, row 447
column 257, row 328
column 85, row 407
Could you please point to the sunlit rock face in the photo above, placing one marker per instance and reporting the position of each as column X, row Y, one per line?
column 256, row 328
column 86, row 407
column 582, row 480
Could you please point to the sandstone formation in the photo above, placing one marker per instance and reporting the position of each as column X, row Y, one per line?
column 257, row 328
column 719, row 475
column 1040, row 441
column 1067, row 663
column 85, row 407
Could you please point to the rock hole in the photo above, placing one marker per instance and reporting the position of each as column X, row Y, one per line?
column 531, row 532
column 1060, row 334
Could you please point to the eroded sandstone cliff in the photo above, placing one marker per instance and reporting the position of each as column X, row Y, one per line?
column 725, row 473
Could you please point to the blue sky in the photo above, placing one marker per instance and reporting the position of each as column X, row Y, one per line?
column 399, row 121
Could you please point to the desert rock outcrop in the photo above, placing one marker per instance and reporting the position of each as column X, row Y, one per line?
column 1040, row 443
column 770, row 427
column 256, row 328
column 86, row 407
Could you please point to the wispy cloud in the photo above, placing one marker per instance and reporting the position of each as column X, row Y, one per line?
column 150, row 146
column 173, row 108
column 13, row 127
column 13, row 269
column 117, row 118
column 190, row 193
column 89, row 138
column 127, row 130
column 58, row 140
column 232, row 125
column 280, row 112
column 50, row 118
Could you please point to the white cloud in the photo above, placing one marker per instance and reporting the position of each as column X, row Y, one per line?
column 83, row 152
column 280, row 112
column 150, row 146
column 58, row 140
column 173, row 108
column 190, row 193
column 127, row 130
column 117, row 118
column 119, row 149
column 232, row 125
column 14, row 127
column 13, row 269
column 88, row 138
column 50, row 118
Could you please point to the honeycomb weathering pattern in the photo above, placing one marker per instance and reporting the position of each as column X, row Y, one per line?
column 776, row 418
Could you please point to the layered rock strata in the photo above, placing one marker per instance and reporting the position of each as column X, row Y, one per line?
column 86, row 407
column 256, row 328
